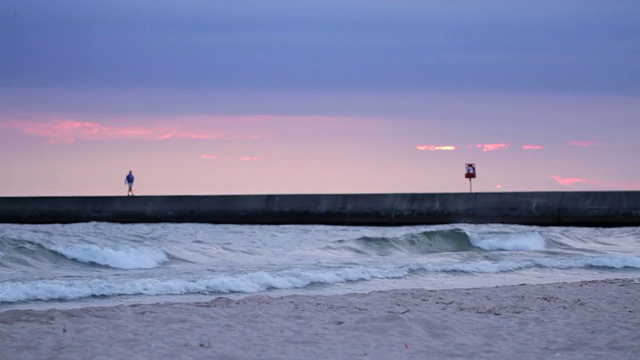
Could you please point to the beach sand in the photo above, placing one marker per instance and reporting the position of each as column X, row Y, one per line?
column 581, row 320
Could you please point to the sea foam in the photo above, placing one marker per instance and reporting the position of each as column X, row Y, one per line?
column 508, row 242
column 124, row 258
column 254, row 282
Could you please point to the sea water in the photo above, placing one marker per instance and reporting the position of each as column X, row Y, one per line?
column 105, row 264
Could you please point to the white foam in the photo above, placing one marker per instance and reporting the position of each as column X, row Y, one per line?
column 509, row 242
column 606, row 261
column 481, row 267
column 124, row 258
column 245, row 283
column 65, row 289
column 489, row 267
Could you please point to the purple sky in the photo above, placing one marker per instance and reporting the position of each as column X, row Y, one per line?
column 294, row 96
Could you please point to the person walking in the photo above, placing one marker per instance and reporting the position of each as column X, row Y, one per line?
column 129, row 182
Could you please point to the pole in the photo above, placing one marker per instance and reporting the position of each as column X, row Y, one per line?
column 470, row 188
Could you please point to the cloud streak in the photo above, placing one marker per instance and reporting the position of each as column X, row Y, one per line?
column 68, row 131
column 582, row 143
column 597, row 183
column 483, row 147
column 227, row 158
column 193, row 127
column 532, row 147
column 436, row 147
column 567, row 181
column 493, row 147
column 209, row 157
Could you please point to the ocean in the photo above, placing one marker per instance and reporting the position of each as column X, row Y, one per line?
column 105, row 264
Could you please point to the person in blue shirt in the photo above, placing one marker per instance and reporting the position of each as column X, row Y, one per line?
column 129, row 181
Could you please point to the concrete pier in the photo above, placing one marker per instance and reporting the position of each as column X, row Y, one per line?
column 607, row 209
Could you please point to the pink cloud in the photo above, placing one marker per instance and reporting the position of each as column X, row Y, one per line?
column 492, row 147
column 195, row 127
column 67, row 131
column 582, row 143
column 209, row 157
column 567, row 181
column 532, row 147
column 184, row 135
column 436, row 147
column 215, row 157
column 598, row 183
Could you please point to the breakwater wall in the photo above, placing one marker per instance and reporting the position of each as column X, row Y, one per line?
column 607, row 208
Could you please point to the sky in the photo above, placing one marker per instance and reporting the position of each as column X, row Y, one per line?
column 298, row 96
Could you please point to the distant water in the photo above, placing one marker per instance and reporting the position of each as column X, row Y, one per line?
column 94, row 264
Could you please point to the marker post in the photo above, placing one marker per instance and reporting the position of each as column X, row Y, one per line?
column 470, row 173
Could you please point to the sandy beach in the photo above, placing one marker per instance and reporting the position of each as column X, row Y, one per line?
column 582, row 320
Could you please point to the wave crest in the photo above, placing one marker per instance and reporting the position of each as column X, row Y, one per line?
column 508, row 241
column 426, row 242
column 439, row 241
column 125, row 258
column 64, row 289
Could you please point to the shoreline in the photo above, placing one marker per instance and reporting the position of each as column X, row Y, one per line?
column 586, row 319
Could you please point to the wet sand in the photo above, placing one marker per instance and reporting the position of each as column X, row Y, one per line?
column 581, row 320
